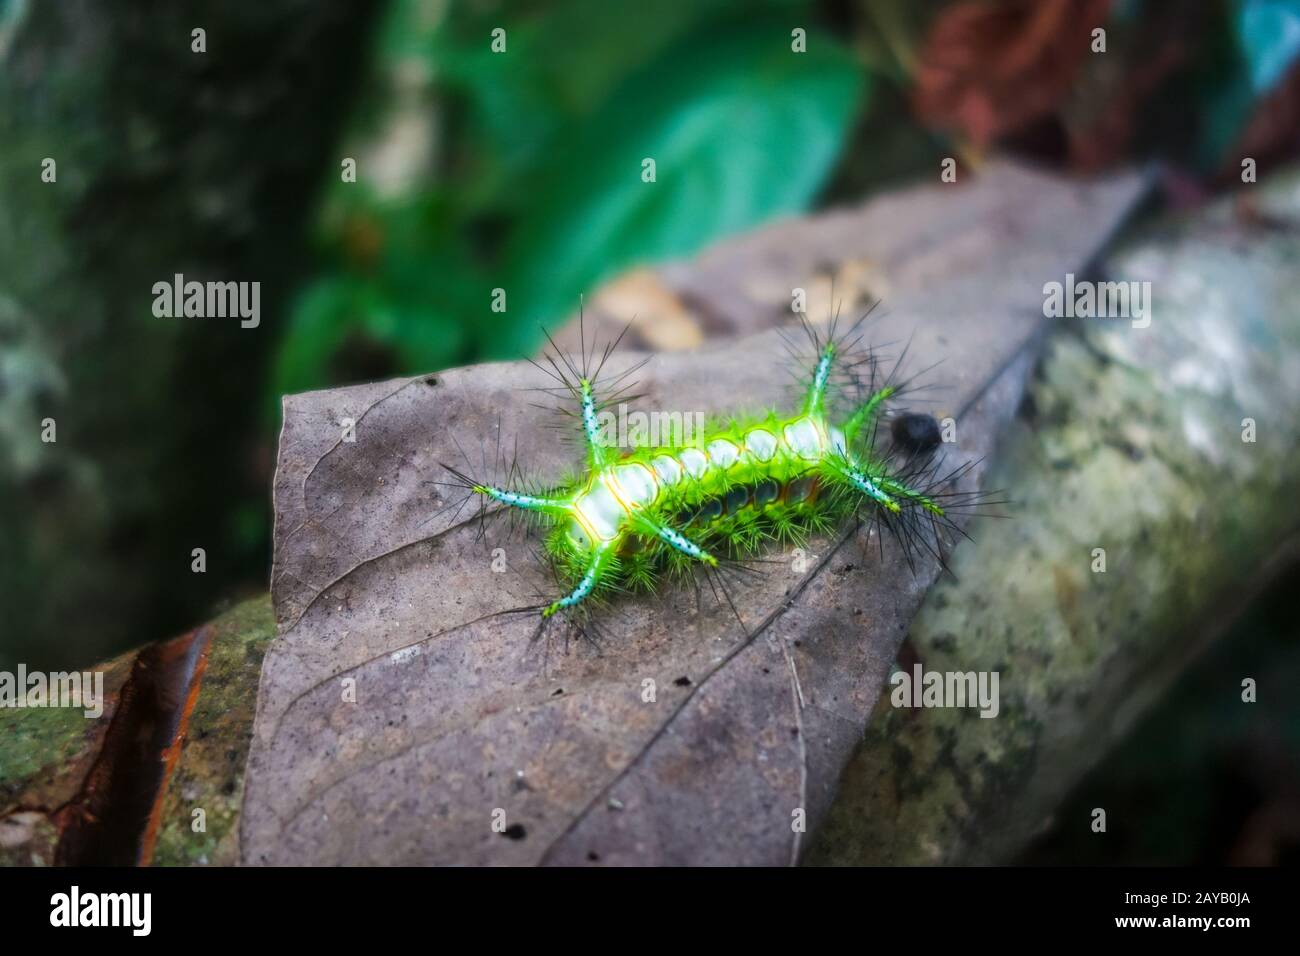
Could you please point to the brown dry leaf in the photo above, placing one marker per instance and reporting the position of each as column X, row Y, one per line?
column 404, row 710
column 990, row 68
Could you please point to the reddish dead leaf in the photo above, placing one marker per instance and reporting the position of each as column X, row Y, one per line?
column 113, row 819
column 1103, row 140
column 989, row 69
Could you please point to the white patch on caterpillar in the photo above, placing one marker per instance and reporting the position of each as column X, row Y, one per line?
column 600, row 512
column 694, row 462
column 723, row 453
column 667, row 469
column 803, row 439
column 637, row 484
column 760, row 444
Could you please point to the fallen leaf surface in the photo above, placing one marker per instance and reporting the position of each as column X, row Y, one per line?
column 407, row 715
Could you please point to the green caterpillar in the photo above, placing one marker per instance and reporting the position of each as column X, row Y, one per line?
column 748, row 481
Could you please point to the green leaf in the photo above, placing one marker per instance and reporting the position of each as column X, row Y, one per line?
column 342, row 325
column 1269, row 32
column 561, row 60
column 408, row 306
column 318, row 325
column 741, row 130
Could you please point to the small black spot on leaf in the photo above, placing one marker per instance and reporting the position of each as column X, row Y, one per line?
column 916, row 432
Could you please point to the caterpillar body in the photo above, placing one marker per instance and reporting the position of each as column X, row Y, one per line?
column 749, row 480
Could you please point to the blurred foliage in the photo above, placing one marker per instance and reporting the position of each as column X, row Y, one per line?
column 520, row 169
column 1269, row 32
column 534, row 178
column 1250, row 48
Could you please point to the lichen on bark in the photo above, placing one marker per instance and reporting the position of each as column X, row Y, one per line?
column 1132, row 442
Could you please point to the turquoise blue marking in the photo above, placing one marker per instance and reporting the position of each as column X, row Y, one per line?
column 869, row 488
column 678, row 541
column 517, row 500
column 820, row 378
column 590, row 425
column 581, row 592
